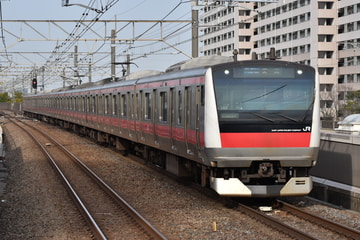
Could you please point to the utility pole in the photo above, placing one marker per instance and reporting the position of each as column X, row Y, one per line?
column 128, row 65
column 76, row 65
column 64, row 77
column 195, row 30
column 90, row 63
column 43, row 78
column 113, row 69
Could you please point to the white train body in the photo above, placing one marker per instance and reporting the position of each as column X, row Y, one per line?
column 247, row 128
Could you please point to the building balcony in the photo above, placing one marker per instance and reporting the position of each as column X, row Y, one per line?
column 330, row 79
column 327, row 13
column 348, row 87
column 349, row 70
column 327, row 30
column 327, row 46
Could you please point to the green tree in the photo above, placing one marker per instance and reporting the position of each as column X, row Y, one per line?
column 18, row 97
column 352, row 105
column 4, row 97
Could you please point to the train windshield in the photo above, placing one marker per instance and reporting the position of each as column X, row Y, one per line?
column 265, row 93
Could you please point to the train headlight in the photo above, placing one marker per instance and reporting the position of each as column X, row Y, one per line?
column 299, row 72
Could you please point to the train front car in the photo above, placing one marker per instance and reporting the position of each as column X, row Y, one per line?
column 261, row 128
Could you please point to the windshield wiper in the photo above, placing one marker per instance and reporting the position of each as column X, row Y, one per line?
column 289, row 118
column 265, row 94
column 263, row 117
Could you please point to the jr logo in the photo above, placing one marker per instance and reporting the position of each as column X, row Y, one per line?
column 307, row 129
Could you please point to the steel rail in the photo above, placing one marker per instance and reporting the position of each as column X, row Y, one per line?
column 96, row 230
column 323, row 222
column 145, row 224
column 272, row 222
column 119, row 200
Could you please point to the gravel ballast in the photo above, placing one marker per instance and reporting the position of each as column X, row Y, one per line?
column 36, row 206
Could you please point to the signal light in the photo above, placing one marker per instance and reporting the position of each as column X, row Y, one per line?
column 34, row 83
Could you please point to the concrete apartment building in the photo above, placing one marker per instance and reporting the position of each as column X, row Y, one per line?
column 322, row 33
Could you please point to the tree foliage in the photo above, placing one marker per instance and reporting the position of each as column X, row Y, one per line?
column 4, row 97
column 17, row 98
column 352, row 105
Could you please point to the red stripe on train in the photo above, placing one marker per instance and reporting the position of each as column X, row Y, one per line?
column 235, row 140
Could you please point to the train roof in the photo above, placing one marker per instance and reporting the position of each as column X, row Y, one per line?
column 204, row 61
column 194, row 67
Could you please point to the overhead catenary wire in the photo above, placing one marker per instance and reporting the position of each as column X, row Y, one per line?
column 3, row 37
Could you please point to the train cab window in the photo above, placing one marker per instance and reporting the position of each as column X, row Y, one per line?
column 163, row 106
column 123, row 105
column 147, row 106
column 114, row 105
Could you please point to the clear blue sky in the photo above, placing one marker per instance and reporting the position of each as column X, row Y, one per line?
column 123, row 10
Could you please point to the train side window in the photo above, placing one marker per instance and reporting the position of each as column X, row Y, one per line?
column 93, row 104
column 187, row 106
column 77, row 104
column 202, row 89
column 123, row 105
column 106, row 105
column 86, row 106
column 83, row 104
column 131, row 103
column 163, row 106
column 138, row 105
column 180, row 107
column 114, row 105
column 100, row 104
column 147, row 106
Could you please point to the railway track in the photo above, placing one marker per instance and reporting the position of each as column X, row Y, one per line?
column 340, row 229
column 108, row 215
column 323, row 229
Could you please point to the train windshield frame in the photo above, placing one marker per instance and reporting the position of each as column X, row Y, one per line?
column 265, row 93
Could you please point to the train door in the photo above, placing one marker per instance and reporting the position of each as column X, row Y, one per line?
column 198, row 115
column 172, row 103
column 114, row 111
column 100, row 108
column 131, row 115
column 87, row 109
column 154, row 118
column 139, row 115
column 187, row 124
column 148, row 123
column 124, row 114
